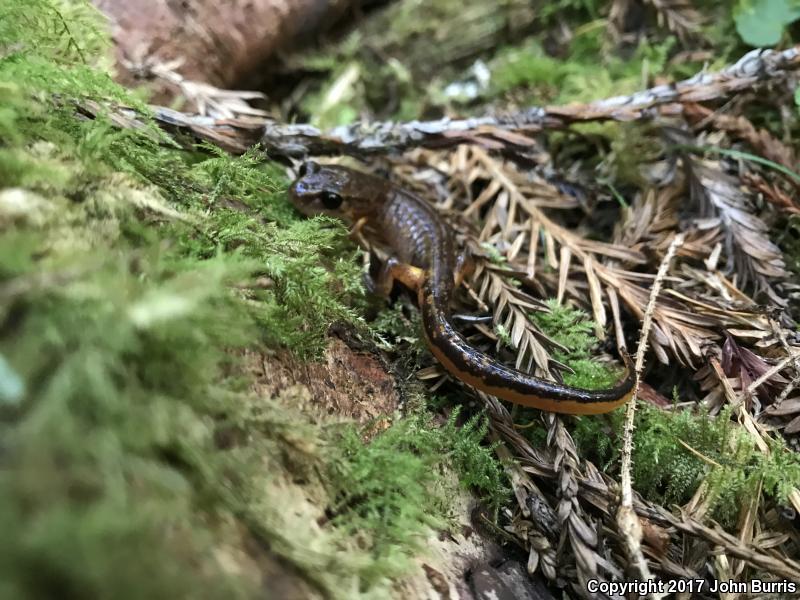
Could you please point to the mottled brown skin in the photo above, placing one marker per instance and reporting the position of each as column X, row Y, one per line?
column 425, row 260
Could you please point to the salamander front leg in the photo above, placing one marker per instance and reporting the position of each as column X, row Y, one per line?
column 356, row 233
column 465, row 266
column 394, row 270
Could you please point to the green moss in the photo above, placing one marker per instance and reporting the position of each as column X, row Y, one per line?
column 400, row 334
column 237, row 205
column 120, row 359
column 663, row 465
column 68, row 32
column 503, row 335
column 395, row 488
column 572, row 329
column 623, row 150
column 493, row 254
column 135, row 281
column 675, row 451
column 474, row 463
column 132, row 276
column 526, row 65
column 538, row 78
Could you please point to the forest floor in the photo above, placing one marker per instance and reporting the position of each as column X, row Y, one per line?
column 199, row 398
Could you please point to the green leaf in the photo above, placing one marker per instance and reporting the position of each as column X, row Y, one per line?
column 11, row 386
column 761, row 22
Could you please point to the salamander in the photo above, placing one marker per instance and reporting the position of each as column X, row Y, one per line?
column 425, row 260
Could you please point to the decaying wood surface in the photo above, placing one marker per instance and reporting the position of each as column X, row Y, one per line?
column 205, row 40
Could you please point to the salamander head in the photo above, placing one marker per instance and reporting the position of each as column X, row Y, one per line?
column 337, row 191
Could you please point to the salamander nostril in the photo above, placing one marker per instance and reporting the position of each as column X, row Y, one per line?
column 307, row 168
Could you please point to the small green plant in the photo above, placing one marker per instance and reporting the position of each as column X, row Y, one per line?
column 400, row 334
column 762, row 22
column 674, row 452
column 503, row 335
column 493, row 254
column 572, row 329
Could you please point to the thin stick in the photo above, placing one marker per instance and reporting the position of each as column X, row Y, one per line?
column 772, row 371
column 496, row 132
column 628, row 522
column 511, row 130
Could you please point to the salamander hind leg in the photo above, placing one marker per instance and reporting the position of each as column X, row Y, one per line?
column 394, row 270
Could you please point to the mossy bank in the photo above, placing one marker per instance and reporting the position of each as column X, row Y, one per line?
column 135, row 460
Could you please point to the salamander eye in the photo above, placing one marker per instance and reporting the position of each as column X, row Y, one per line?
column 331, row 200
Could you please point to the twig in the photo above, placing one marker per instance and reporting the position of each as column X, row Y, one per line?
column 504, row 132
column 750, row 553
column 511, row 130
column 698, row 454
column 577, row 527
column 786, row 391
column 775, row 369
column 626, row 518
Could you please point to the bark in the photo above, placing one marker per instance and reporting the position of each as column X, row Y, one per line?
column 215, row 42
